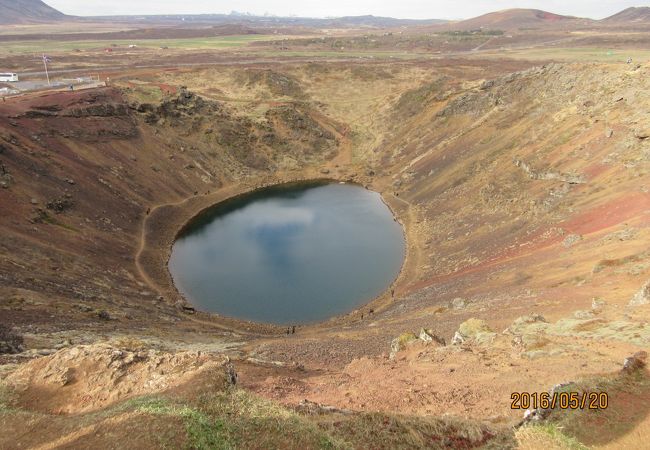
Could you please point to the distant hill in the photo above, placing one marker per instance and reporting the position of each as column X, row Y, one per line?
column 630, row 15
column 380, row 22
column 511, row 19
column 27, row 11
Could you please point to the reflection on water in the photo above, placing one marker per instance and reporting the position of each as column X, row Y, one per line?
column 289, row 254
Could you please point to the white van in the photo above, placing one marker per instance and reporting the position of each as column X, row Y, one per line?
column 8, row 77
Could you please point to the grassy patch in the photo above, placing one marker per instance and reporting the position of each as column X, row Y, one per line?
column 6, row 397
column 252, row 422
column 144, row 93
column 203, row 431
column 341, row 54
column 378, row 430
column 547, row 436
column 628, row 405
column 234, row 418
column 556, row 434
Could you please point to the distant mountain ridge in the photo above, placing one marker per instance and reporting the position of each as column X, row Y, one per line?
column 27, row 11
column 279, row 21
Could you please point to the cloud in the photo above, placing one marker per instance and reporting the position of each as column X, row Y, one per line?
column 274, row 216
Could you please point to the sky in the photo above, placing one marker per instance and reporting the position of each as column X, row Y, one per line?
column 412, row 9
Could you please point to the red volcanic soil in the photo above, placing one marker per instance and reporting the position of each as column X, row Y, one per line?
column 609, row 214
column 599, row 218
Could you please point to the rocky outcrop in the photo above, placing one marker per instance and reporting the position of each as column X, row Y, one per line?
column 541, row 414
column 317, row 409
column 279, row 84
column 88, row 377
column 492, row 93
column 549, row 174
column 287, row 130
column 99, row 110
column 10, row 341
column 60, row 205
column 571, row 240
column 186, row 103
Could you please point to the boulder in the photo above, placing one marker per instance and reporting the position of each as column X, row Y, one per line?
column 635, row 362
column 458, row 303
column 534, row 341
column 457, row 339
column 541, row 414
column 642, row 297
column 597, row 303
column 583, row 314
column 399, row 343
column 471, row 327
column 104, row 315
column 476, row 330
column 531, row 321
column 231, row 374
column 642, row 133
column 430, row 336
column 6, row 180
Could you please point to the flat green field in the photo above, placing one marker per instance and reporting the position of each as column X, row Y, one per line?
column 53, row 46
column 339, row 54
column 577, row 54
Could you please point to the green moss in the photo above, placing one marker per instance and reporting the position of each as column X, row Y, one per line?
column 405, row 338
column 472, row 327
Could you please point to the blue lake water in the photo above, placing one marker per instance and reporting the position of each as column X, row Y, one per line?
column 289, row 254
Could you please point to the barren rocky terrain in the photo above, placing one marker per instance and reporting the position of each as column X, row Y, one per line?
column 523, row 190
